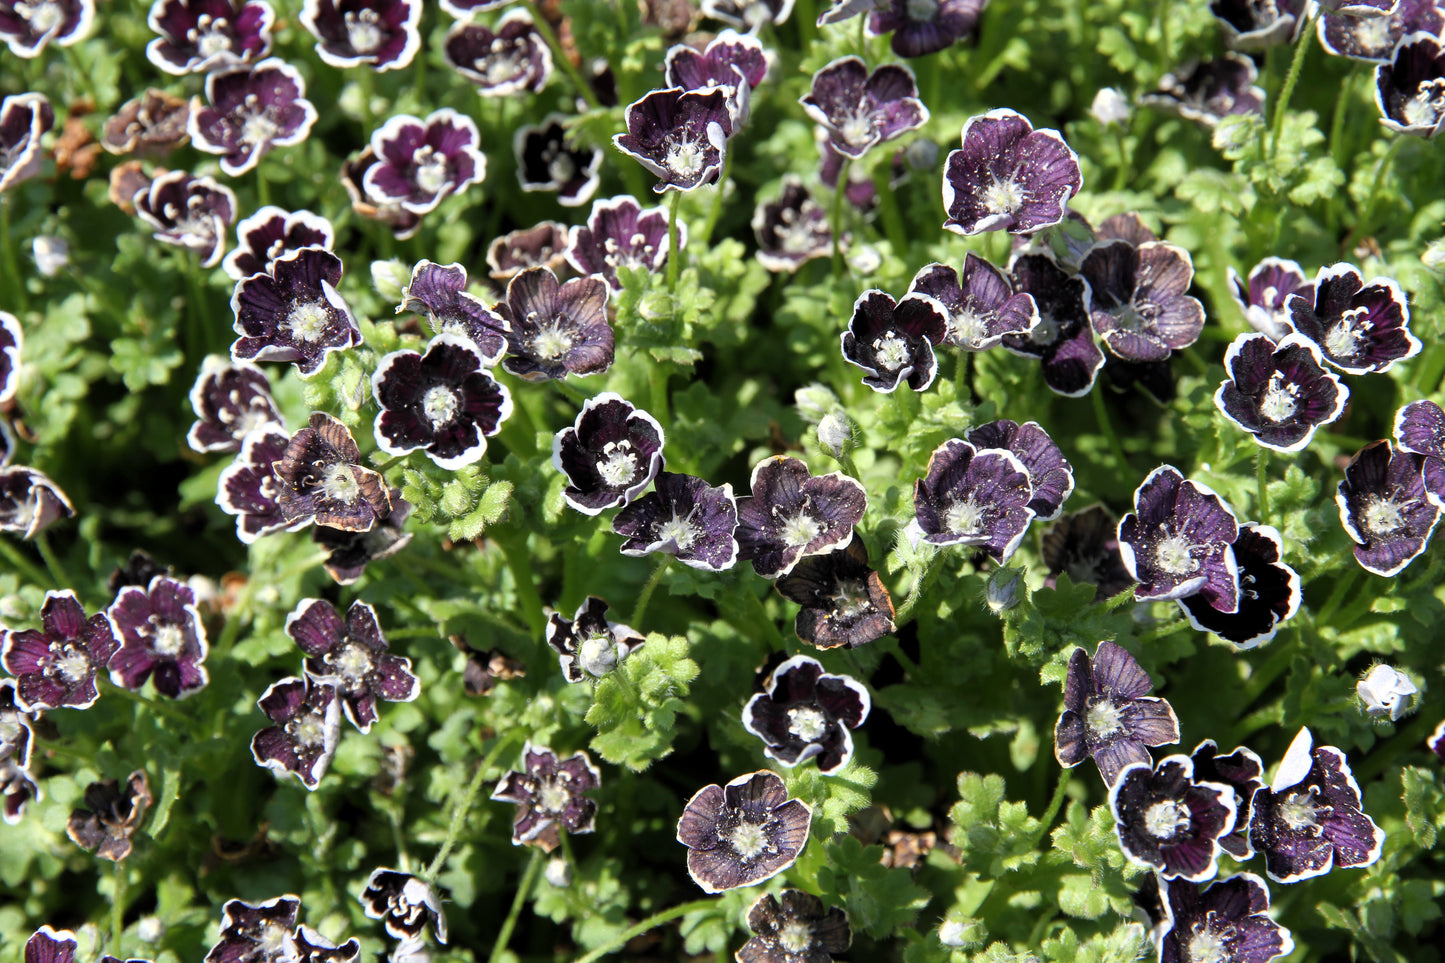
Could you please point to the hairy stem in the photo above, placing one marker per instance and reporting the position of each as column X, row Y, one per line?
column 464, row 803
column 1261, row 481
column 717, row 201
column 1101, row 415
column 504, row 935
column 1301, row 48
column 836, row 221
column 652, row 922
column 560, row 58
column 648, row 587
column 514, row 549
column 673, row 264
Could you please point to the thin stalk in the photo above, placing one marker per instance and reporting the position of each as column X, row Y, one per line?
column 504, row 935
column 963, row 376
column 845, row 461
column 909, row 666
column 920, row 585
column 760, row 615
column 717, row 201
column 560, row 58
column 32, row 572
column 570, row 392
column 8, row 258
column 1342, row 588
column 1263, row 677
column 1101, row 415
column 888, row 209
column 657, row 386
column 1046, row 821
column 1165, row 14
column 1261, row 481
column 263, row 185
column 673, row 261
column 152, row 704
column 1281, row 105
column 652, row 922
column 52, row 562
column 836, row 221
column 1367, row 220
column 1125, row 174
column 464, row 804
column 645, row 596
column 117, row 908
column 390, row 463
column 520, row 563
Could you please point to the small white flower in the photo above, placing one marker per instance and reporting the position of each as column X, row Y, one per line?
column 1385, row 692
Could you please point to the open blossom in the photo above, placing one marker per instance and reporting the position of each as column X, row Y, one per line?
column 792, row 513
column 683, row 516
column 620, row 233
column 380, row 34
column 1385, row 507
column 351, row 654
column 731, row 61
column 806, row 713
column 190, row 212
column 981, row 302
column 321, row 479
column 24, row 119
column 1264, row 298
column 1358, row 326
column 1410, row 89
column 294, row 313
column 1227, row 920
column 792, row 228
column 860, row 109
column 440, row 292
column 198, row 36
column 306, row 732
column 403, row 223
column 1257, row 26
column 548, row 159
column 1140, row 306
column 1050, row 474
column 1108, row 713
column 248, row 488
column 257, row 932
column 678, row 135
column 1269, row 591
column 1169, row 820
column 920, row 29
column 742, row 833
column 56, row 665
column 27, row 28
column 974, row 497
column 610, row 455
column 799, row 929
column 30, row 502
column 1063, row 338
column 1178, row 540
column 893, row 341
column 272, row 233
column 1279, row 392
column 162, row 637
column 548, row 794
column 443, row 402
column 556, row 329
column 250, row 110
column 1374, row 39
column 230, row 401
column 844, row 602
column 503, row 60
column 421, row 162
column 405, row 904
column 1008, row 176
column 1209, row 91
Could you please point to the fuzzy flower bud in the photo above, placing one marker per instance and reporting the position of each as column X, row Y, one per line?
column 1002, row 592
column 390, row 279
column 1110, row 107
column 51, row 254
column 1385, row 692
column 814, row 401
column 558, row 872
column 835, row 433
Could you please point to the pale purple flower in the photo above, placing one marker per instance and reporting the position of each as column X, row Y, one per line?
column 1140, row 305
column 198, row 36
column 1050, row 474
column 440, row 292
column 162, row 637
column 743, row 833
column 982, row 305
column 1008, row 176
column 294, row 313
column 56, row 665
column 548, row 795
column 1373, row 39
column 556, row 329
column 380, row 34
column 1108, row 713
column 424, row 161
column 974, row 497
column 190, row 212
column 792, row 228
column 792, row 513
column 503, row 60
column 620, row 233
column 1177, row 541
column 252, row 109
column 860, row 109
column 1385, row 507
column 248, row 488
column 272, row 233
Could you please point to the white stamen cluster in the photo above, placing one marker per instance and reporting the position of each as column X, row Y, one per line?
column 1167, row 819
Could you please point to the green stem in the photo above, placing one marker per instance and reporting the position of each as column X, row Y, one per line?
column 1165, row 14
column 52, row 562
column 1367, row 220
column 117, row 909
column 837, row 216
column 263, row 185
column 652, row 922
column 1263, row 677
column 1261, row 481
column 888, row 210
column 673, row 261
column 514, row 549
column 570, row 392
column 1405, row 740
column 717, row 202
column 560, row 58
column 645, row 596
column 152, row 704
column 1342, row 588
column 845, row 461
column 963, row 376
column 8, row 258
column 1061, row 792
column 195, row 340
column 390, row 463
column 1101, row 415
column 920, row 585
column 909, row 666
column 32, row 572
column 761, row 617
column 1281, row 105
column 464, row 804
column 504, row 935
column 657, row 385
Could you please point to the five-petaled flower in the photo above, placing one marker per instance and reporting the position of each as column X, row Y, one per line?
column 307, row 729
column 230, row 399
column 683, row 516
column 257, row 932
column 421, row 162
column 352, row 655
column 443, row 402
column 1140, row 308
column 162, row 636
column 610, row 455
column 1385, row 507
column 24, row 118
column 1410, row 88
column 921, row 28
column 251, row 109
column 190, row 212
column 742, row 833
column 1170, row 821
column 1109, row 714
column 503, row 60
column 620, row 233
column 1226, row 921
column 1279, row 391
column 893, row 341
column 405, row 905
column 1269, row 591
column 111, row 816
column 294, row 312
column 27, row 28
column 56, row 665
column 272, row 233
column 321, row 479
column 797, row 928
column 556, row 329
column 548, row 159
column 1008, row 176
column 859, row 109
column 199, row 36
column 804, row 713
column 981, row 302
column 1177, row 541
column 972, row 496
column 1359, row 327
column 380, row 34
column 679, row 135
column 1209, row 91
column 440, row 292
column 548, row 794
column 792, row 513
column 844, row 602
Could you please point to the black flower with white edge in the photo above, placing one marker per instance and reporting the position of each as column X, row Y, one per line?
column 1063, row 339
column 1243, row 771
column 404, row 903
column 620, row 233
column 307, row 730
column 742, row 833
column 1177, row 541
column 443, row 402
column 805, row 713
column 1269, row 592
column 844, row 602
column 1374, row 39
column 422, row 161
column 30, row 502
column 111, row 816
column 321, row 479
column 1209, row 91
column 974, row 497
column 860, row 109
column 1108, row 713
column 16, row 735
column 402, row 222
column 48, row 945
column 1169, row 821
column 503, row 60
column 683, row 516
column 257, row 932
column 12, row 339
column 1410, row 89
column 542, row 245
column 610, row 455
column 1309, row 820
column 162, row 637
column 199, row 36
column 749, row 15
column 1050, row 474
column 440, row 292
column 1008, row 176
column 922, row 27
column 351, row 552
column 272, row 233
column 1085, row 546
column 1279, row 392
column 548, row 793
column 230, row 399
column 28, row 28
column 1228, row 921
column 1420, row 428
column 1359, row 327
column 352, row 655
column 556, row 329
column 893, row 341
column 791, row 514
column 733, row 62
column 678, row 135
column 1385, row 507
column 56, row 664
column 1140, row 307
column 1264, row 298
column 24, row 118
column 294, row 313
column 380, row 34
column 251, row 109
column 194, row 213
column 248, row 488
column 795, row 928
column 1258, row 26
column 549, row 160
column 792, row 228
column 312, row 947
column 981, row 302
column 589, row 646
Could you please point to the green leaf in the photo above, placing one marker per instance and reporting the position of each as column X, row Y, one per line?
column 635, row 704
column 1423, row 807
column 878, row 899
column 993, row 836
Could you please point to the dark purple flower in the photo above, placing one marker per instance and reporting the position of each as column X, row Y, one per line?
column 161, row 634
column 589, row 646
column 682, row 516
column 440, row 292
column 294, row 313
column 1008, row 176
column 1358, row 327
column 861, row 110
column 56, row 664
column 30, row 502
column 1385, row 508
column 1365, row 9
column 742, row 833
column 405, row 904
column 1420, row 428
column 51, row 946
column 198, row 36
column 351, row 552
column 1256, row 25
column 844, row 601
column 749, row 15
column 252, row 108
column 620, row 233
column 17, row 790
column 858, row 189
column 792, row 228
column 230, row 401
column 16, row 736
column 549, row 160
column 974, row 497
column 1063, row 339
column 190, row 212
column 1050, row 474
column 24, row 119
column 1211, row 90
column 1169, row 821
column 1265, row 298
column 799, row 930
column 1242, row 771
column 1085, row 545
column 1374, row 39
column 1109, row 714
column 503, row 61
column 1279, row 393
column 543, row 245
column 12, row 339
column 609, row 456
column 922, row 27
column 804, row 712
column 248, row 488
column 893, row 340
column 732, row 61
column 110, row 817
column 791, row 514
column 381, row 34
column 1140, row 306
column 307, row 730
column 28, row 27
column 321, row 479
column 257, row 932
column 549, row 796
column 403, row 223
column 352, row 655
column 1410, row 89
column 1227, row 921
column 443, row 402
column 1310, row 820
column 422, row 162
column 556, row 329
column 678, row 135
column 1269, row 592
column 312, row 947
column 1177, row 541
column 982, row 306
column 272, row 233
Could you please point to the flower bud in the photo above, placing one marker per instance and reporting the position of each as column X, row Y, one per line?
column 390, row 279
column 1110, row 107
column 558, row 872
column 51, row 254
column 835, row 433
column 1385, row 692
column 1002, row 592
column 814, row 401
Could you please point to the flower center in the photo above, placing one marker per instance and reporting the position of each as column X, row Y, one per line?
column 1373, row 33
column 439, row 404
column 258, row 127
column 561, row 168
column 749, row 840
column 44, row 17
column 1279, row 402
column 552, row 796
column 1003, row 196
column 167, row 640
column 922, row 9
column 307, row 731
column 362, row 30
column 597, row 655
column 271, row 940
column 503, row 63
column 618, row 464
column 1343, row 338
column 795, row 229
column 551, row 342
column 1174, row 554
column 968, row 325
column 1383, row 516
column 307, row 321
column 964, row 517
column 352, row 664
column 800, row 530
column 1424, row 109
column 685, row 158
column 891, row 351
column 1207, row 946
column 1167, row 819
column 1298, row 811
column 339, row 484
column 1103, row 719
column 795, row 936
column 807, row 724
column 210, row 36
column 1046, row 331
column 430, row 169
column 679, row 531
column 857, row 129
column 69, row 662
